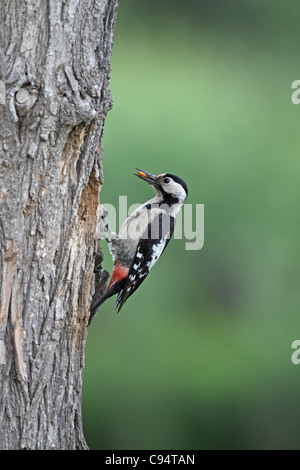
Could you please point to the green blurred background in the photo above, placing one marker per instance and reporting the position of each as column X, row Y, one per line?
column 200, row 356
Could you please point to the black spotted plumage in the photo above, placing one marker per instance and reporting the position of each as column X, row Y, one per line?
column 150, row 248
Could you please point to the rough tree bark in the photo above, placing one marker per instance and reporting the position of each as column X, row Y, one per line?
column 54, row 96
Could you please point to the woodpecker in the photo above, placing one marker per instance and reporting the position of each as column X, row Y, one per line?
column 143, row 237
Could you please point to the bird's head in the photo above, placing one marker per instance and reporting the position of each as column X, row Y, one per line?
column 170, row 187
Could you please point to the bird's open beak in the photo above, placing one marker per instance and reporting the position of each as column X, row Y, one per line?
column 149, row 177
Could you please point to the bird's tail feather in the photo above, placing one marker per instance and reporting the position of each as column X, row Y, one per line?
column 114, row 289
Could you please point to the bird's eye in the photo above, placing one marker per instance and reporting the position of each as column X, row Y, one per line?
column 166, row 180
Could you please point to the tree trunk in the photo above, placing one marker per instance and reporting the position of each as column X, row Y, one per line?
column 54, row 96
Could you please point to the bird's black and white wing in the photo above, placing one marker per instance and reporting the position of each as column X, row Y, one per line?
column 150, row 247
